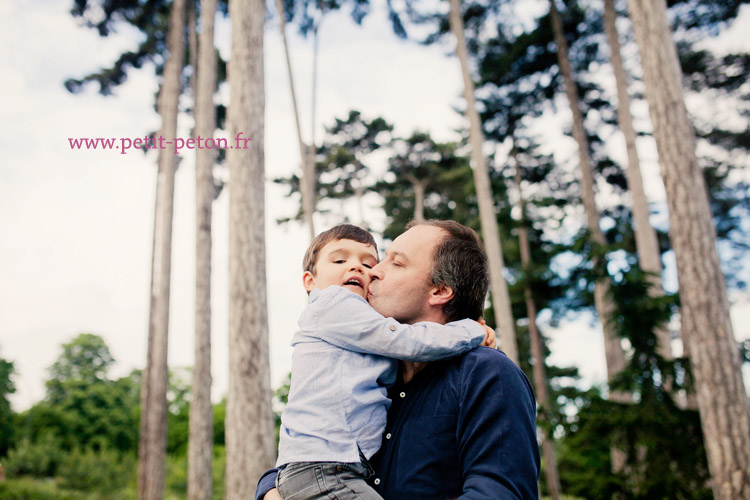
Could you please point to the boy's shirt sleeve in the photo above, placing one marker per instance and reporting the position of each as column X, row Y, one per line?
column 344, row 319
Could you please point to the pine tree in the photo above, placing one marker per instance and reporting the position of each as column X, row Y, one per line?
column 153, row 435
column 249, row 420
column 200, row 450
column 490, row 233
column 707, row 331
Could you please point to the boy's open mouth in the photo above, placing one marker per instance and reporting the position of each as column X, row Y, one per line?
column 355, row 281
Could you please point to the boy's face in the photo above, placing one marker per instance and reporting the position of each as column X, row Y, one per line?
column 345, row 263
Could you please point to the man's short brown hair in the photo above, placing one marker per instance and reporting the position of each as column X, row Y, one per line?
column 461, row 264
column 340, row 232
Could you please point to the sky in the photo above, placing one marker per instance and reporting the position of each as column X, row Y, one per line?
column 77, row 225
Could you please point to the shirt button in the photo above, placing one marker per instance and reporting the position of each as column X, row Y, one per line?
column 377, row 481
column 403, row 394
column 388, row 436
column 393, row 328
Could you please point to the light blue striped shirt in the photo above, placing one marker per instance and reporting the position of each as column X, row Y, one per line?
column 341, row 367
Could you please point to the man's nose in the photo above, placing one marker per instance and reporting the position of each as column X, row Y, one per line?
column 376, row 272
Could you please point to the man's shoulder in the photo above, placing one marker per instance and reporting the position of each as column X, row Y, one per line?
column 486, row 362
column 488, row 357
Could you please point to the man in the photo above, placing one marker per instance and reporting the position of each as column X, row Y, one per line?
column 463, row 428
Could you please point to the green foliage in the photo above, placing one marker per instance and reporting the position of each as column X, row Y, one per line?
column 30, row 489
column 280, row 400
column 745, row 351
column 95, row 413
column 439, row 169
column 85, row 359
column 6, row 412
column 218, row 467
column 178, row 418
column 97, row 471
column 150, row 18
column 176, row 480
column 220, row 415
column 38, row 459
column 342, row 163
column 663, row 445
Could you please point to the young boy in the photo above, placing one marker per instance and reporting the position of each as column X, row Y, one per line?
column 344, row 358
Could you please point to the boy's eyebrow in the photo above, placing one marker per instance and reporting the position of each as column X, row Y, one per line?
column 368, row 254
column 338, row 251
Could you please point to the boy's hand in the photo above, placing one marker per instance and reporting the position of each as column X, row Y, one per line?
column 489, row 337
column 272, row 495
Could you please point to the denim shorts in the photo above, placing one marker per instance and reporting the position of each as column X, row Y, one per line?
column 326, row 481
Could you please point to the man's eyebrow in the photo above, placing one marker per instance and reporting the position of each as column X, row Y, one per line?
column 394, row 254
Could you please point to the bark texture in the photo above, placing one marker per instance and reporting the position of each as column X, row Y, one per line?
column 707, row 329
column 647, row 244
column 604, row 307
column 249, row 422
column 153, row 427
column 200, row 443
column 490, row 233
column 549, row 453
column 307, row 182
column 420, row 186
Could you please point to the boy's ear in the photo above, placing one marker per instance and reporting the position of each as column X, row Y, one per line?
column 439, row 295
column 308, row 281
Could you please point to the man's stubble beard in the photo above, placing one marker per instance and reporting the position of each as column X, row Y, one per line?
column 412, row 309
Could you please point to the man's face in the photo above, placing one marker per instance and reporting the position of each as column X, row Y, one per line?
column 345, row 263
column 401, row 284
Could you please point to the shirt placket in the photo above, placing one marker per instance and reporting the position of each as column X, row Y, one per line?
column 403, row 403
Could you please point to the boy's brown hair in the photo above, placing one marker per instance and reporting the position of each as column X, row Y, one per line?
column 340, row 232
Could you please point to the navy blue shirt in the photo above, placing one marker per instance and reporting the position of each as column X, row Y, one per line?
column 462, row 428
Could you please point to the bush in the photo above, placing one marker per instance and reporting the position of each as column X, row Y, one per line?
column 219, row 466
column 176, row 475
column 34, row 459
column 30, row 489
column 102, row 470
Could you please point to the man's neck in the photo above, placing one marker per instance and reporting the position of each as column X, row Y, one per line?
column 410, row 368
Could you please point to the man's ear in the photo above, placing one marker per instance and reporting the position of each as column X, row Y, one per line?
column 439, row 295
column 308, row 281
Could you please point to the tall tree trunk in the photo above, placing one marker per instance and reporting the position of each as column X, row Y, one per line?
column 200, row 444
column 551, row 473
column 311, row 173
column 419, row 190
column 707, row 332
column 359, row 194
column 647, row 244
column 307, row 182
column 192, row 25
column 249, row 421
column 604, row 307
column 153, row 427
column 500, row 295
